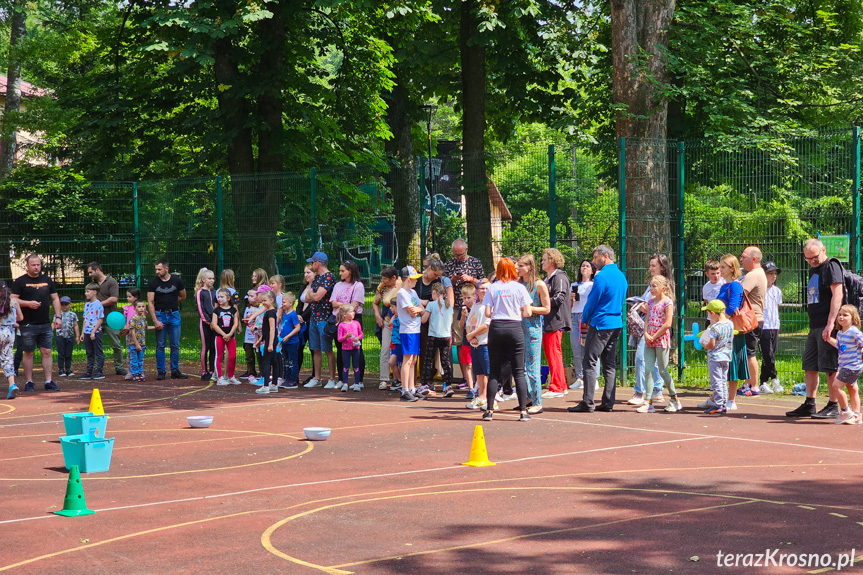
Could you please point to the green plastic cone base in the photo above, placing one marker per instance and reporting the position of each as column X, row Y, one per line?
column 74, row 505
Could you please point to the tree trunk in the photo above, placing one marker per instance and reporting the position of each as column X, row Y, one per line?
column 639, row 32
column 475, row 181
column 9, row 141
column 402, row 179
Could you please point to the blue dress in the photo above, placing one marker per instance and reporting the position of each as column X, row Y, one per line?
column 532, row 327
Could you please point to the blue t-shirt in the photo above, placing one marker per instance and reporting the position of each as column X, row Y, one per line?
column 440, row 320
column 395, row 339
column 289, row 321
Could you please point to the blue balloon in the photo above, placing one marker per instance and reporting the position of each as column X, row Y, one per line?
column 694, row 337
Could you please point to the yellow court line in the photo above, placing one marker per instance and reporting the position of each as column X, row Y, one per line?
column 309, row 447
column 9, row 408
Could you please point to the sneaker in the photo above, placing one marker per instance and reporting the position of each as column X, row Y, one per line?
column 13, row 392
column 61, row 374
column 577, row 384
column 29, row 387
column 646, row 408
column 120, row 371
column 448, row 392
column 406, row 395
column 731, row 406
column 274, row 387
column 637, row 399
column 743, row 389
column 848, row 417
column 751, row 391
column 313, row 383
column 234, row 381
column 423, row 390
column 343, row 387
column 715, row 410
column 245, row 375
column 292, row 385
column 70, row 374
column 253, row 380
column 396, row 386
column 551, row 394
column 474, row 404
column 829, row 411
column 205, row 376
column 487, row 415
column 280, row 381
column 708, row 404
column 331, row 385
column 525, row 416
column 214, row 377
column 764, row 388
column 499, row 396
column 263, row 390
column 223, row 381
column 673, row 407
column 86, row 376
column 510, row 397
column 383, row 385
column 128, row 376
column 178, row 375
column 496, row 406
column 777, row 387
column 160, row 376
column 858, row 420
column 470, row 394
column 463, row 385
column 98, row 376
column 658, row 398
column 51, row 386
column 356, row 387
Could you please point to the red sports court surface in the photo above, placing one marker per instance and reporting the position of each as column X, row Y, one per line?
column 571, row 493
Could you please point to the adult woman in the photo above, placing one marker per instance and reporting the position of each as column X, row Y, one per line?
column 532, row 327
column 389, row 281
column 304, row 311
column 579, row 291
column 349, row 291
column 432, row 274
column 557, row 321
column 507, row 303
column 658, row 265
column 731, row 293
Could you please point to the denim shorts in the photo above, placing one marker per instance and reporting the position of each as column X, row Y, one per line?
column 479, row 355
column 318, row 341
column 36, row 335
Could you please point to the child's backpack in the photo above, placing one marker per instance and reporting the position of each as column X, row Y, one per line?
column 853, row 287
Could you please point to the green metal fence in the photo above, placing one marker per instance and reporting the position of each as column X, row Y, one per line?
column 693, row 201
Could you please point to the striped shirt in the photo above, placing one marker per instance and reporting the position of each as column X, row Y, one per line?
column 850, row 346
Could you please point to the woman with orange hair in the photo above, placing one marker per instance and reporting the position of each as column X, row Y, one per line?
column 507, row 303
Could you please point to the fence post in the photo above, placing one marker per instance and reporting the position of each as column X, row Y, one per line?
column 220, row 230
column 855, row 195
column 137, row 235
column 621, row 222
column 422, row 206
column 679, row 309
column 552, row 198
column 313, row 193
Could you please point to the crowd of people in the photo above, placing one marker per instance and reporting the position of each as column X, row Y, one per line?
column 501, row 326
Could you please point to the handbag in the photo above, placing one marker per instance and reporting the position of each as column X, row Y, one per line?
column 332, row 327
column 744, row 319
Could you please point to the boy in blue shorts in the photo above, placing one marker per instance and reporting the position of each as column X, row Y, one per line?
column 409, row 310
column 396, row 354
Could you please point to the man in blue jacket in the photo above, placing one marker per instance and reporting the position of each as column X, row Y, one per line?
column 602, row 312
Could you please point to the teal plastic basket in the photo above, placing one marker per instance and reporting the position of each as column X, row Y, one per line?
column 88, row 453
column 85, row 424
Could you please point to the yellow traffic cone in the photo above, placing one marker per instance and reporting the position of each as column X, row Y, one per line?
column 74, row 504
column 96, row 403
column 478, row 453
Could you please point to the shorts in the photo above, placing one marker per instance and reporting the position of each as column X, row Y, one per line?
column 848, row 376
column 36, row 335
column 818, row 355
column 410, row 343
column 464, row 355
column 318, row 341
column 396, row 350
column 457, row 335
column 752, row 339
column 479, row 355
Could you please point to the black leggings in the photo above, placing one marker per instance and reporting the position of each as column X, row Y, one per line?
column 208, row 347
column 433, row 346
column 268, row 368
column 506, row 342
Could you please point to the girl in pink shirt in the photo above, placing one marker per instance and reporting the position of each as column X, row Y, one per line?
column 350, row 335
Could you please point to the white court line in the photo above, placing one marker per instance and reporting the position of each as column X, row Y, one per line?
column 360, row 477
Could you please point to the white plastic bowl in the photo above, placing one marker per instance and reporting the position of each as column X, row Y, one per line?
column 200, row 420
column 317, row 433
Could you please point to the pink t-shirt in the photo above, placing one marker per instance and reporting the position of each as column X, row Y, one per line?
column 348, row 331
column 344, row 292
column 128, row 312
column 655, row 319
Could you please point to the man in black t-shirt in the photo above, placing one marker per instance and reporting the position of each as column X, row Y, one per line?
column 164, row 294
column 825, row 293
column 36, row 294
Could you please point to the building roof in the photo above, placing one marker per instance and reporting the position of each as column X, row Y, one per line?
column 27, row 89
column 497, row 200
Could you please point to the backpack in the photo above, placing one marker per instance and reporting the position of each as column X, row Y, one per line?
column 634, row 323
column 853, row 285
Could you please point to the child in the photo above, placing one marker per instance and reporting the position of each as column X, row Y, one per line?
column 94, row 315
column 224, row 322
column 277, row 285
column 438, row 315
column 226, row 281
column 268, row 343
column 350, row 335
column 136, row 340
column 717, row 340
column 409, row 310
column 67, row 335
column 657, row 340
column 468, row 298
column 132, row 296
column 849, row 342
column 476, row 335
column 290, row 336
column 10, row 315
column 710, row 291
column 249, row 339
column 396, row 355
column 205, row 301
column 769, row 340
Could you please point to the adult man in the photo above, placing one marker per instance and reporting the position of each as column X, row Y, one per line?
column 825, row 292
column 36, row 293
column 318, row 295
column 461, row 269
column 602, row 313
column 755, row 287
column 109, row 295
column 164, row 294
column 557, row 321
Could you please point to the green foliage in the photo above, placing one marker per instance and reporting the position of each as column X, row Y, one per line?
column 448, row 228
column 530, row 236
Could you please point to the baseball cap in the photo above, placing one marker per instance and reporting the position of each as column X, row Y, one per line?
column 318, row 257
column 410, row 272
column 771, row 267
column 263, row 288
column 715, row 305
column 65, row 299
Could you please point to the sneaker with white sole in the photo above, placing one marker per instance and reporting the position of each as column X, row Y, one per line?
column 510, row 397
column 764, row 388
column 474, row 404
column 731, row 406
column 658, row 398
column 253, row 380
column 636, row 400
column 499, row 396
column 422, row 390
column 449, row 391
column 222, row 381
column 274, row 387
column 331, row 385
column 577, row 384
column 280, row 381
column 313, row 383
column 263, row 390
column 343, row 387
column 128, row 375
column 234, row 381
column 646, row 408
column 777, row 387
column 846, row 417
column 551, row 394
column 355, row 387
column 673, row 407
column 707, row 404
column 383, row 385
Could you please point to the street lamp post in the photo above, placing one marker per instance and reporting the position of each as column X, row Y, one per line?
column 429, row 110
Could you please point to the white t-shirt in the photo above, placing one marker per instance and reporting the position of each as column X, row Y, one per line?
column 506, row 300
column 407, row 323
column 710, row 291
column 476, row 318
column 583, row 290
column 772, row 301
